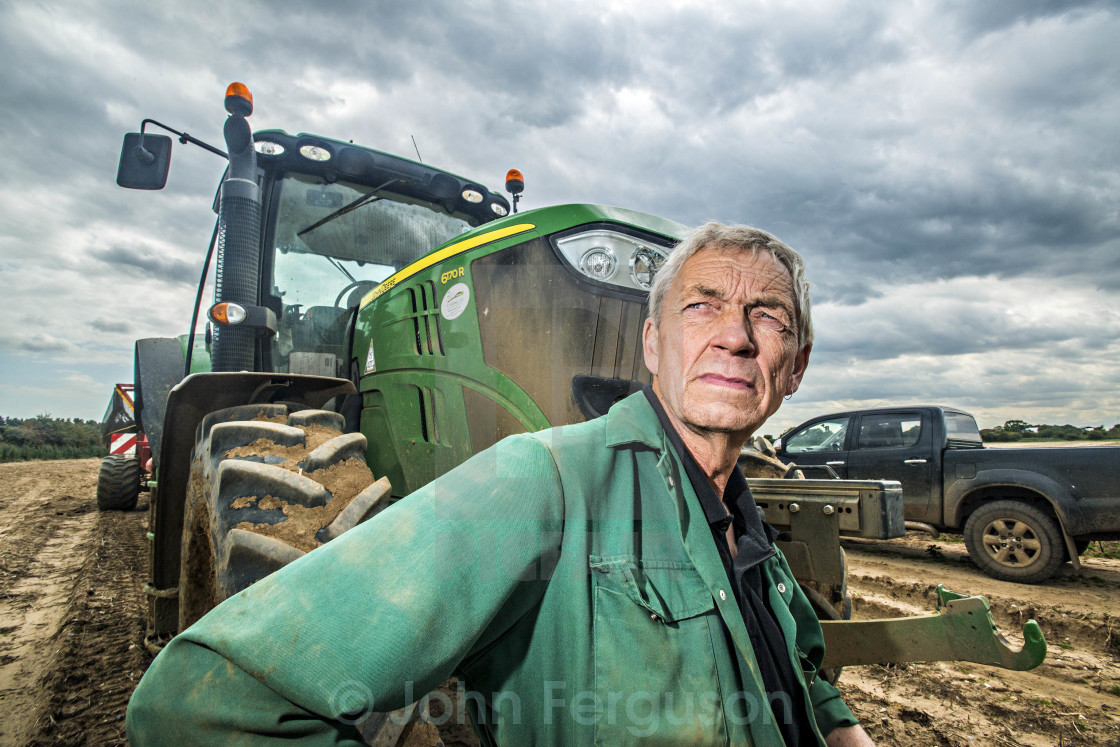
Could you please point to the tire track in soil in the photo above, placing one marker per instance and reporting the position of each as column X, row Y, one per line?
column 100, row 656
column 45, row 528
column 71, row 582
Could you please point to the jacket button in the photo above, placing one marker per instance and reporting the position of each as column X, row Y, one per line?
column 670, row 481
column 781, row 588
column 722, row 594
column 655, row 617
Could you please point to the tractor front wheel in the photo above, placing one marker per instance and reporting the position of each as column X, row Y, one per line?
column 267, row 486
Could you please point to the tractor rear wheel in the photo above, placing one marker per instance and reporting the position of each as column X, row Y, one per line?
column 267, row 486
column 118, row 482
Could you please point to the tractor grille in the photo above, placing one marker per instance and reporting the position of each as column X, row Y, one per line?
column 541, row 327
column 425, row 319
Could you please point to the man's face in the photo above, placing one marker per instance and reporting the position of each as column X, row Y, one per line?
column 725, row 351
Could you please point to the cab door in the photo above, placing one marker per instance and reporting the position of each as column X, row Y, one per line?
column 819, row 442
column 896, row 446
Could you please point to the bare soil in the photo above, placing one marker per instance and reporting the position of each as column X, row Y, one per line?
column 1073, row 698
column 71, row 606
column 71, row 622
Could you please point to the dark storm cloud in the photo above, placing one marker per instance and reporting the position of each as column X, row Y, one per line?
column 35, row 342
column 107, row 325
column 898, row 146
column 993, row 15
column 148, row 263
column 751, row 53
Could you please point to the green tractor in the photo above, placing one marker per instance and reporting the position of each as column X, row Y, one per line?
column 374, row 315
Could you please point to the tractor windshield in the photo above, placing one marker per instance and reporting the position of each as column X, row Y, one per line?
column 332, row 244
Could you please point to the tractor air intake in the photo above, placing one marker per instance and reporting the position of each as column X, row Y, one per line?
column 239, row 231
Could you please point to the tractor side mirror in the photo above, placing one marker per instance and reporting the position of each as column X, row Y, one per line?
column 145, row 161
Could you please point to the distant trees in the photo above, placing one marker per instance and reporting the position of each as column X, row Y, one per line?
column 44, row 437
column 1018, row 430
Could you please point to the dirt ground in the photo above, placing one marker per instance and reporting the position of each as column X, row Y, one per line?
column 71, row 622
column 71, row 606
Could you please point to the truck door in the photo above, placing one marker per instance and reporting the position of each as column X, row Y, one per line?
column 822, row 441
column 896, row 446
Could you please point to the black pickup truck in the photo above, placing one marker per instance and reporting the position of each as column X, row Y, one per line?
column 1023, row 511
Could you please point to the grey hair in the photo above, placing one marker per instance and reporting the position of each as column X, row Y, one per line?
column 713, row 235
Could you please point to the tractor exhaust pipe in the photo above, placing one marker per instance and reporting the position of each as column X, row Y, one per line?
column 239, row 234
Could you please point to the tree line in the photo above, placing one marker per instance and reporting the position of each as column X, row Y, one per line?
column 44, row 437
column 1020, row 430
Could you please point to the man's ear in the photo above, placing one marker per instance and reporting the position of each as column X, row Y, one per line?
column 650, row 346
column 800, row 363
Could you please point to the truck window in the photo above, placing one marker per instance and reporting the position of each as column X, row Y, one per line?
column 889, row 430
column 961, row 430
column 826, row 435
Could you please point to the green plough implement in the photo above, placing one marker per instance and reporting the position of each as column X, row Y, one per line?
column 961, row 630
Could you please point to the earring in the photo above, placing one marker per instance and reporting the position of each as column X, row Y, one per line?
column 789, row 396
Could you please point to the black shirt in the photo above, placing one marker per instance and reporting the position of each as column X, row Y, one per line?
column 755, row 542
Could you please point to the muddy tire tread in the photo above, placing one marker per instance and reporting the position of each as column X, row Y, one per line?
column 218, row 558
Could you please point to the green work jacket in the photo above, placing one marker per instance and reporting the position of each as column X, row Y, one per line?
column 568, row 577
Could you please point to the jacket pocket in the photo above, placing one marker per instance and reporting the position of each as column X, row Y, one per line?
column 656, row 634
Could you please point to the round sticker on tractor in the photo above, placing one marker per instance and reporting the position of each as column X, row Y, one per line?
column 454, row 301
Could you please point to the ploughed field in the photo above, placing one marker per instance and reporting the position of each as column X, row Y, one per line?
column 71, row 628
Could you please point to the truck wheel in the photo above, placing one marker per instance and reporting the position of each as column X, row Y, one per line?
column 118, row 482
column 1014, row 541
column 266, row 487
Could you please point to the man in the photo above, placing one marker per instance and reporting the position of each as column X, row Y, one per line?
column 607, row 582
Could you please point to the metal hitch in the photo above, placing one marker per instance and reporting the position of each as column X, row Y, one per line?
column 962, row 630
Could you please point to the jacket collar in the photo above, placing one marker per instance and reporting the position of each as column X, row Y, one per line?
column 633, row 421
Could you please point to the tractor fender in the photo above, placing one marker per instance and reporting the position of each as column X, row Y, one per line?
column 157, row 367
column 964, row 495
column 187, row 404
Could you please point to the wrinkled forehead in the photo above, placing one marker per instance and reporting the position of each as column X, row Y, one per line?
column 731, row 270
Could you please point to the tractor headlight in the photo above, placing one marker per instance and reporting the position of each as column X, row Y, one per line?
column 612, row 257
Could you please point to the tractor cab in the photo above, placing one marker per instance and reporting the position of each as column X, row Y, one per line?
column 336, row 220
column 320, row 223
column 331, row 243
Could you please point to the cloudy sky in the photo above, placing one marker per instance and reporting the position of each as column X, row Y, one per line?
column 950, row 170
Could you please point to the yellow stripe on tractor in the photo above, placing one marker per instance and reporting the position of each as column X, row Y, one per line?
column 442, row 254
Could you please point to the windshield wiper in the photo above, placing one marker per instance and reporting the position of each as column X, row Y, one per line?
column 366, row 199
column 338, row 266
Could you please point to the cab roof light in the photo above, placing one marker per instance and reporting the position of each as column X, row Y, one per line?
column 515, row 185
column 314, row 153
column 268, row 148
column 238, row 100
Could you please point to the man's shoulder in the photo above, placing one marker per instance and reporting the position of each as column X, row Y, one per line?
column 628, row 421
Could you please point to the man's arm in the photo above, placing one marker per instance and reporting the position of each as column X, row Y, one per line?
column 369, row 621
column 848, row 736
